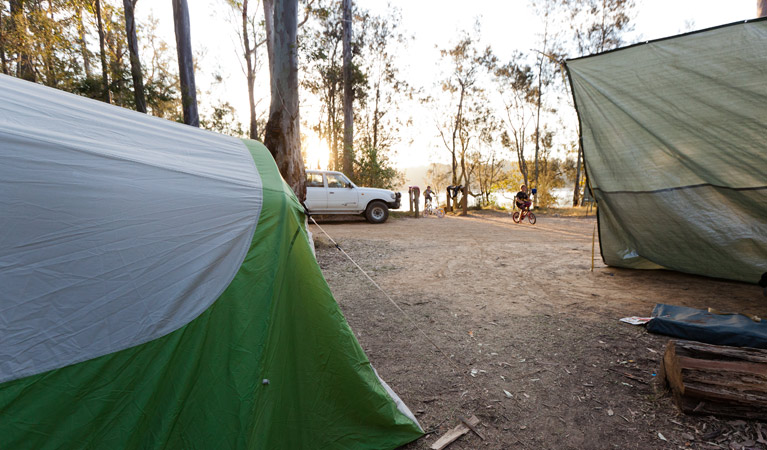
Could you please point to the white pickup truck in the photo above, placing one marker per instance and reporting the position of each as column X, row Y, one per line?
column 330, row 192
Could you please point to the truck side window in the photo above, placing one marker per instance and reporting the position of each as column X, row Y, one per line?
column 335, row 181
column 314, row 180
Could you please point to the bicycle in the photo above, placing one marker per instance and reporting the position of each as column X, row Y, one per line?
column 518, row 216
column 429, row 209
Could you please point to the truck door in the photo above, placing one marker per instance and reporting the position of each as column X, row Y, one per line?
column 316, row 192
column 342, row 195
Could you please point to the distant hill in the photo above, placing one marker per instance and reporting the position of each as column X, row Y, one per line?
column 416, row 176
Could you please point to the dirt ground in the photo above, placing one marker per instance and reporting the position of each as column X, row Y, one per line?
column 535, row 347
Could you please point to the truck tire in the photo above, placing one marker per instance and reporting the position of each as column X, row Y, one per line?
column 377, row 212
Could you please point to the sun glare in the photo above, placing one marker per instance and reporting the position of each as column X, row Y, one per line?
column 317, row 152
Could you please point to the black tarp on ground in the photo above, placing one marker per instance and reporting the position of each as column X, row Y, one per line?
column 735, row 330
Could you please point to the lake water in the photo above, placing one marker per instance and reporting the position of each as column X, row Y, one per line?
column 563, row 195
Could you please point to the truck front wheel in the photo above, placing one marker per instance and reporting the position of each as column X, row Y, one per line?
column 377, row 212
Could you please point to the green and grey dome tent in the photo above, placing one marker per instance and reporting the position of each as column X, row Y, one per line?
column 158, row 290
column 674, row 142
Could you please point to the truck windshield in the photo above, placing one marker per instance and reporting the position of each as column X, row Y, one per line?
column 337, row 181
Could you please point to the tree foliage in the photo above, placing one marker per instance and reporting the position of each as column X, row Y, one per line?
column 52, row 42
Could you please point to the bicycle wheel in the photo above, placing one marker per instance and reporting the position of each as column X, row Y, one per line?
column 515, row 217
column 425, row 212
column 531, row 218
column 440, row 212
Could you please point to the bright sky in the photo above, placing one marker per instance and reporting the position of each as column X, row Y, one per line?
column 506, row 25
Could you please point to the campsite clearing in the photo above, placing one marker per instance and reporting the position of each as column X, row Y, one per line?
column 541, row 357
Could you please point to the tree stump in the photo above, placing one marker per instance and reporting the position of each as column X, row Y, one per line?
column 712, row 379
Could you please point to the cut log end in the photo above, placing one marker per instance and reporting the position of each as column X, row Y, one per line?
column 710, row 379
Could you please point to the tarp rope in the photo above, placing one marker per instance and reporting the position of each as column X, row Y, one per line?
column 412, row 322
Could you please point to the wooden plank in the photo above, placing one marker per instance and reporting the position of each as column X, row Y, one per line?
column 454, row 434
column 710, row 351
column 470, row 423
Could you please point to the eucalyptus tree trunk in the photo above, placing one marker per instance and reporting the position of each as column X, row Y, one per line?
column 49, row 49
column 348, row 91
column 539, row 101
column 185, row 62
column 283, row 133
column 18, row 27
column 83, row 45
column 3, row 61
column 456, row 130
column 135, row 62
column 761, row 8
column 250, row 52
column 577, row 188
column 107, row 94
column 269, row 29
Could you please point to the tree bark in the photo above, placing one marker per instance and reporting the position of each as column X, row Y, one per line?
column 50, row 50
column 185, row 62
column 135, row 62
column 376, row 116
column 466, row 181
column 539, row 100
column 251, row 72
column 456, row 128
column 83, row 45
column 3, row 61
column 107, row 94
column 761, row 8
column 712, row 379
column 348, row 91
column 25, row 69
column 269, row 29
column 577, row 187
column 283, row 133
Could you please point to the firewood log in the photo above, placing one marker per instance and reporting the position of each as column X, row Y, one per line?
column 713, row 379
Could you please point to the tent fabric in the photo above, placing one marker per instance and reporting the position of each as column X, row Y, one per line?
column 734, row 330
column 91, row 225
column 261, row 358
column 673, row 142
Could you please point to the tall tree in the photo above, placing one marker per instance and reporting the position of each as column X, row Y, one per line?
column 323, row 77
column 545, row 9
column 461, row 126
column 185, row 62
column 460, row 82
column 251, row 39
column 348, row 90
column 135, row 62
column 515, row 84
column 18, row 30
column 81, row 33
column 107, row 94
column 378, row 124
column 3, row 61
column 251, row 61
column 598, row 26
column 283, row 132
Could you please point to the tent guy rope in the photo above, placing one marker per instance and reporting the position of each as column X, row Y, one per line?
column 386, row 295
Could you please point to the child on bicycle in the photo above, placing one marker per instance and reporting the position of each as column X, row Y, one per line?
column 427, row 195
column 522, row 199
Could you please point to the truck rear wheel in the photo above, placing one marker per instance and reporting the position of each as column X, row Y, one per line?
column 377, row 212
